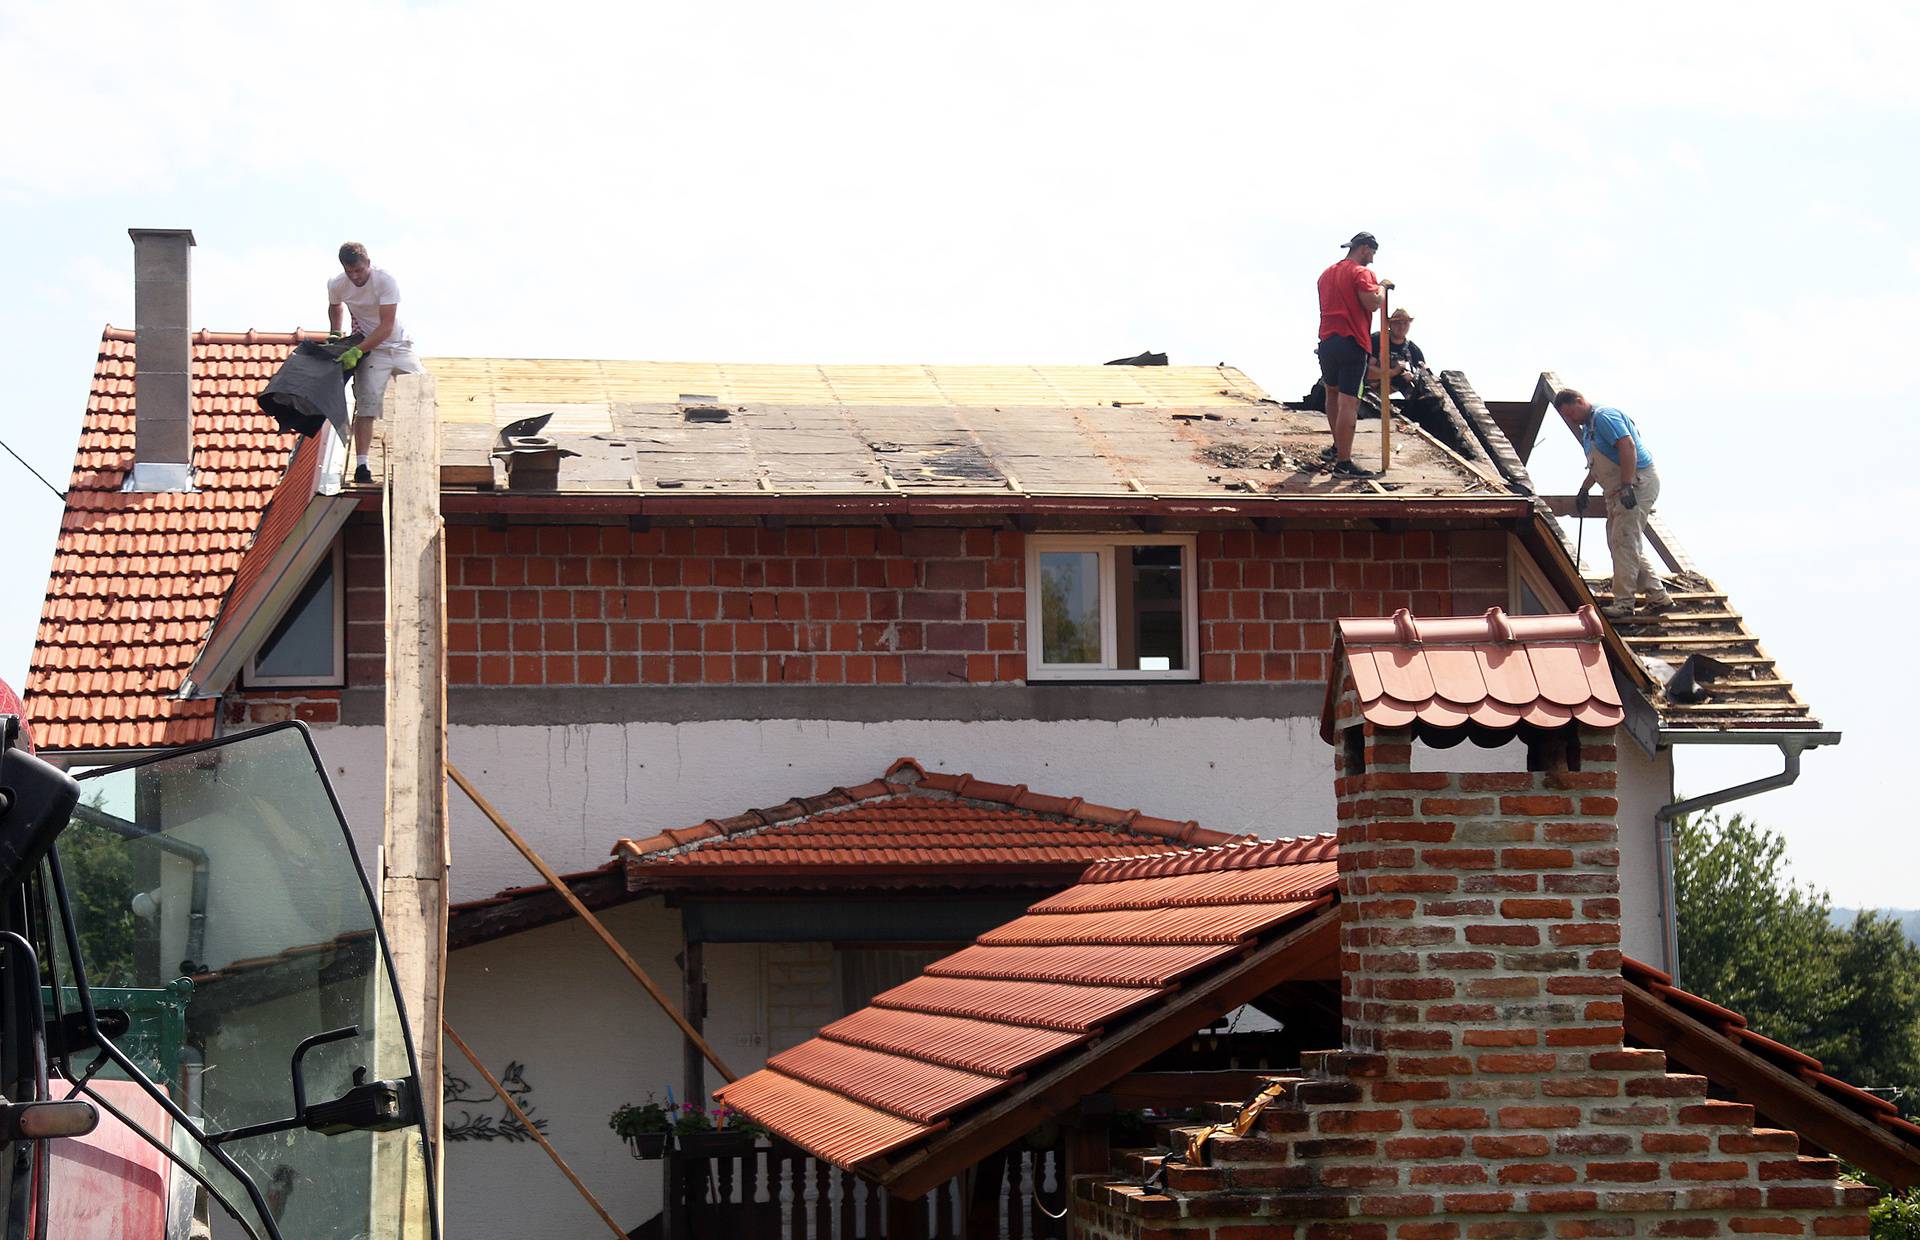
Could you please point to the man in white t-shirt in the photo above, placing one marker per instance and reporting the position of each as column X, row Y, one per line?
column 372, row 298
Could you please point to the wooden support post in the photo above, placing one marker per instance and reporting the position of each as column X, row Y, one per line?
column 594, row 924
column 534, row 1132
column 1386, row 381
column 413, row 882
column 693, row 1001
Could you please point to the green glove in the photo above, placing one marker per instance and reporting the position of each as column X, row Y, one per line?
column 333, row 336
column 351, row 358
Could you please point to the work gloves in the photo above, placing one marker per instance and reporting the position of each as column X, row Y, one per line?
column 1627, row 498
column 1580, row 504
column 351, row 358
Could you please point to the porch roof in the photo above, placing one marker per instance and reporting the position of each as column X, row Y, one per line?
column 911, row 828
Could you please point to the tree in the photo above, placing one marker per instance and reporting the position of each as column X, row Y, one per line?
column 1753, row 940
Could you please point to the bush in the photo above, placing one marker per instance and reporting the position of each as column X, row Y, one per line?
column 1897, row 1218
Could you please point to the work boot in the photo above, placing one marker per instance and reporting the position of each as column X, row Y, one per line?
column 363, row 476
column 1618, row 611
column 1347, row 469
column 1328, row 453
column 1657, row 604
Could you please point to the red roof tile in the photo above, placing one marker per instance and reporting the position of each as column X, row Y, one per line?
column 1495, row 670
column 137, row 578
column 911, row 827
column 966, row 1030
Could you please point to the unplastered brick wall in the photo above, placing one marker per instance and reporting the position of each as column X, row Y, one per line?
column 1485, row 1092
column 605, row 605
column 1268, row 600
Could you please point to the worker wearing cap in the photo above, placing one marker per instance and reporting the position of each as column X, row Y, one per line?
column 1349, row 294
column 371, row 297
column 1630, row 484
column 1407, row 359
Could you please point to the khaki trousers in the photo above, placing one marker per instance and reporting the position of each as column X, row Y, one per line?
column 1626, row 530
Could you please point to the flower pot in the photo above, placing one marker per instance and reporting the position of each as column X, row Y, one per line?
column 720, row 1144
column 648, row 1144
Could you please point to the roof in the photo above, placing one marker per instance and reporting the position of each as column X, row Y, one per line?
column 910, row 828
column 884, row 432
column 1131, row 939
column 1058, row 1003
column 1495, row 671
column 137, row 578
column 1787, row 1087
column 1740, row 688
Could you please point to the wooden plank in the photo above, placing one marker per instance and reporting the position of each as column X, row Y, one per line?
column 1777, row 1094
column 413, row 881
column 1108, row 1058
column 593, row 923
column 537, row 1135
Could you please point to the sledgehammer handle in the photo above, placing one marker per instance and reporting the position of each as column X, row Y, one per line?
column 1386, row 382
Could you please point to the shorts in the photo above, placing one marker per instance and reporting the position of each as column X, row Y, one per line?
column 1343, row 364
column 371, row 375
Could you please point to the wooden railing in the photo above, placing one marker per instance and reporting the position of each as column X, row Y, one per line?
column 776, row 1191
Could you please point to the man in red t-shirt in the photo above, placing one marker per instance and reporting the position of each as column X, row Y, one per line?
column 1349, row 294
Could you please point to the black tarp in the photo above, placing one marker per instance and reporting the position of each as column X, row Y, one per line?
column 310, row 390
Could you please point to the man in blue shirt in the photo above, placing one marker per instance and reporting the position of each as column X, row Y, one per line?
column 1623, row 467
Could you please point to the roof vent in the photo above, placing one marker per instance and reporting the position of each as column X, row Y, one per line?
column 704, row 409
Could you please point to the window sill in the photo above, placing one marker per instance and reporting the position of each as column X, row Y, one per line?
column 1107, row 676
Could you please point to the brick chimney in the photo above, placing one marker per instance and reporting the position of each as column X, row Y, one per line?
column 1484, row 1092
column 163, row 348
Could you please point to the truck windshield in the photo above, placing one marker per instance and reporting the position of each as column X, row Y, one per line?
column 223, row 920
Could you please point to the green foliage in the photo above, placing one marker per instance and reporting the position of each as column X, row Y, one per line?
column 98, row 867
column 631, row 1119
column 1897, row 1218
column 1755, row 941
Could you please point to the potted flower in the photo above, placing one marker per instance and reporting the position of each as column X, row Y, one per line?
column 701, row 1136
column 645, row 1127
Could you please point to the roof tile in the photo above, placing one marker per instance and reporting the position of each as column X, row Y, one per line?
column 137, row 579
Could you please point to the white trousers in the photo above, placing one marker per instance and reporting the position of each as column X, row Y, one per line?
column 1626, row 529
column 370, row 378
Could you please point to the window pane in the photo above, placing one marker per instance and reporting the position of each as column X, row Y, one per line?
column 1152, row 595
column 1070, row 607
column 302, row 644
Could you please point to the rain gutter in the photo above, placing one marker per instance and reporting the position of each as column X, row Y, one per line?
column 1791, row 746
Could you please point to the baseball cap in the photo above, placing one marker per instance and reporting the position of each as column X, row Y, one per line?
column 1362, row 238
column 1401, row 313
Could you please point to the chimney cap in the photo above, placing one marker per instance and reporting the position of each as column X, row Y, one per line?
column 137, row 233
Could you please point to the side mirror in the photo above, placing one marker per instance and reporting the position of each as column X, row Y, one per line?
column 36, row 799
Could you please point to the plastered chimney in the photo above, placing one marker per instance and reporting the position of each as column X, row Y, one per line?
column 162, row 341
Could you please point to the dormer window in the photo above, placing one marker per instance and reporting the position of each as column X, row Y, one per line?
column 307, row 647
column 1111, row 607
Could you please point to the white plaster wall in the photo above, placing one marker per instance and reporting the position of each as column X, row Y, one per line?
column 556, row 1000
column 1646, row 784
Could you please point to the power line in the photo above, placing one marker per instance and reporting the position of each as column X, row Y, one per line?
column 30, row 469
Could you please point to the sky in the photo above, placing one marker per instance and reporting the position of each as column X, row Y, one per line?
column 1699, row 213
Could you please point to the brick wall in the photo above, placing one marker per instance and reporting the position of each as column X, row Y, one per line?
column 1485, row 1092
column 602, row 605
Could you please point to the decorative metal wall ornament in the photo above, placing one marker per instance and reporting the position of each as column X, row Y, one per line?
column 468, row 1124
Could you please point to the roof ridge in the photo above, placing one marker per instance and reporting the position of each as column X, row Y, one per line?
column 1242, row 854
column 203, row 335
column 906, row 777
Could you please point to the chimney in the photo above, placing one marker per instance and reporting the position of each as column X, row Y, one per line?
column 163, row 349
column 1481, row 931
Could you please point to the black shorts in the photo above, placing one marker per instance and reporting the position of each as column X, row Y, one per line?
column 1343, row 364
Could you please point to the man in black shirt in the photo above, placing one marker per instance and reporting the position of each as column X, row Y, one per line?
column 1408, row 361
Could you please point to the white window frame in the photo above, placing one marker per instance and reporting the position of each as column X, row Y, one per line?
column 338, row 677
column 1104, row 545
column 1521, row 568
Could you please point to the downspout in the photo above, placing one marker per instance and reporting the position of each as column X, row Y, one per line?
column 1790, row 750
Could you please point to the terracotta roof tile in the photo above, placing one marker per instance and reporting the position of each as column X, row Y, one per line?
column 955, row 1038
column 911, row 827
column 1496, row 670
column 138, row 579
